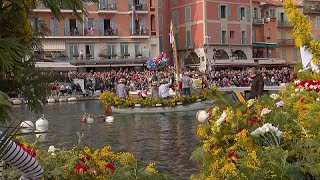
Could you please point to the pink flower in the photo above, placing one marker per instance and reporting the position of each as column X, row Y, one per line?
column 265, row 111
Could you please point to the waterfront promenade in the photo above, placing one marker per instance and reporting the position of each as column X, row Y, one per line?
column 72, row 98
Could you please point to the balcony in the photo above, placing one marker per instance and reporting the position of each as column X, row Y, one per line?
column 258, row 21
column 284, row 23
column 75, row 33
column 108, row 8
column 286, row 41
column 41, row 7
column 139, row 8
column 140, row 33
column 314, row 8
column 110, row 62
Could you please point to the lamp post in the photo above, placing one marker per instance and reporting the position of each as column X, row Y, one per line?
column 206, row 50
column 213, row 62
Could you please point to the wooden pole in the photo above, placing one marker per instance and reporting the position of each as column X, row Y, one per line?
column 177, row 70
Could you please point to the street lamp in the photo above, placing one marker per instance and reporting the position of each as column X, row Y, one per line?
column 206, row 50
column 213, row 58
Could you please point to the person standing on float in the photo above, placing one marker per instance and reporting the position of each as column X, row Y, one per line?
column 164, row 89
column 122, row 90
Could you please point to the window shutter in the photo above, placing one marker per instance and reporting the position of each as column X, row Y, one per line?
column 229, row 11
column 52, row 26
column 102, row 26
column 86, row 25
column 318, row 21
column 248, row 14
column 219, row 11
column 143, row 23
column 96, row 24
column 188, row 39
column 66, row 27
column 131, row 26
column 79, row 26
column 239, row 13
column 113, row 24
column 143, row 4
column 130, row 3
column 56, row 27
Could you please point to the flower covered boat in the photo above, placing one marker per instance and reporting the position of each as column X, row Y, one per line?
column 133, row 104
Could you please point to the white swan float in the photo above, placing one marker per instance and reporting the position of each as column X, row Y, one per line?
column 202, row 116
column 27, row 124
column 42, row 123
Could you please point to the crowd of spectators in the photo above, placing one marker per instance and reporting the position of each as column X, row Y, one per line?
column 86, row 83
column 135, row 80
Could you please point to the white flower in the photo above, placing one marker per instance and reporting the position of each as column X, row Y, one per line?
column 300, row 70
column 297, row 81
column 51, row 149
column 221, row 119
column 280, row 104
column 265, row 111
column 318, row 99
column 296, row 90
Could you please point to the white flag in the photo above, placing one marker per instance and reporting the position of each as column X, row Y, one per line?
column 306, row 56
column 171, row 33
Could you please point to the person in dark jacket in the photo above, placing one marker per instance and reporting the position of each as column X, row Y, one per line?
column 257, row 83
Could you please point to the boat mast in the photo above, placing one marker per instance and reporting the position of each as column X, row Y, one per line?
column 175, row 53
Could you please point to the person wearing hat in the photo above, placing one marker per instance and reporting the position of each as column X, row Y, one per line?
column 257, row 84
column 164, row 88
column 186, row 83
column 122, row 90
column 154, row 90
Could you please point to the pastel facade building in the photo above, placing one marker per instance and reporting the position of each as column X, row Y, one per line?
column 311, row 8
column 115, row 33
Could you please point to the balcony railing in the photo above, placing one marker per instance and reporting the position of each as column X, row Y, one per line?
column 312, row 8
column 89, row 32
column 258, row 21
column 286, row 41
column 138, row 32
column 139, row 7
column 108, row 7
column 284, row 23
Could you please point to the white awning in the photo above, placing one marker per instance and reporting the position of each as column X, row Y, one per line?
column 62, row 66
column 53, row 45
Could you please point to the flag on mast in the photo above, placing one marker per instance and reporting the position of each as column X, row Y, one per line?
column 171, row 33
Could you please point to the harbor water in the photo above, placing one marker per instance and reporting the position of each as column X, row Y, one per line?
column 166, row 138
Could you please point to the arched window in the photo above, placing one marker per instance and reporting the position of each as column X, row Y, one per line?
column 153, row 22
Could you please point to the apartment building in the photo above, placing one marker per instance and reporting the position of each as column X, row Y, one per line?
column 209, row 34
column 237, row 33
column 120, row 33
column 311, row 8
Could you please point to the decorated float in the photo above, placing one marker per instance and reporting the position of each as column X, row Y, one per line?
column 136, row 104
column 273, row 137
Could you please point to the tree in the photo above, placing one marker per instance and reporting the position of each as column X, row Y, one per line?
column 19, row 39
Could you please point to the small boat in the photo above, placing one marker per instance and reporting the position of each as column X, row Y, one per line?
column 161, row 109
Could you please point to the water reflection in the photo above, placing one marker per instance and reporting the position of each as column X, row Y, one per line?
column 167, row 139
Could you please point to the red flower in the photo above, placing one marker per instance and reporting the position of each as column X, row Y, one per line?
column 110, row 166
column 80, row 168
column 239, row 130
column 302, row 100
column 30, row 151
column 85, row 158
column 253, row 120
column 233, row 155
column 210, row 112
